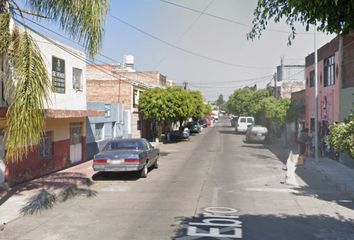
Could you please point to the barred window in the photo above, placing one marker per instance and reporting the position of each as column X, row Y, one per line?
column 46, row 145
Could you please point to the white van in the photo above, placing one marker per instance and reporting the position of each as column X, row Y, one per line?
column 243, row 123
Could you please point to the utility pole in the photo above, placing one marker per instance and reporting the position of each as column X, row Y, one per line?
column 316, row 97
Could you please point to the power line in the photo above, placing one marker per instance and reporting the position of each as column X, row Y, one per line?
column 92, row 62
column 186, row 31
column 225, row 19
column 183, row 49
column 234, row 81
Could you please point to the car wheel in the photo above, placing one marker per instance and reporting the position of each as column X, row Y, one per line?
column 156, row 164
column 144, row 171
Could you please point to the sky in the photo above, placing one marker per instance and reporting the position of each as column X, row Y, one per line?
column 181, row 40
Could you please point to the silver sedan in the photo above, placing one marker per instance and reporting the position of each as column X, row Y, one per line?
column 127, row 155
column 256, row 133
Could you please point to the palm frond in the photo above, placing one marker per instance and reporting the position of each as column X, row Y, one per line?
column 5, row 36
column 82, row 19
column 25, row 116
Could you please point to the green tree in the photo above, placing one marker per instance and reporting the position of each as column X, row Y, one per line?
column 246, row 101
column 341, row 136
column 220, row 101
column 331, row 16
column 198, row 105
column 28, row 79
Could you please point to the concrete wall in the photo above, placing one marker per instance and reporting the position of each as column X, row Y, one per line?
column 33, row 166
column 71, row 99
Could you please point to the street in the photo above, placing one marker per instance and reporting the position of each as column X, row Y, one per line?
column 214, row 186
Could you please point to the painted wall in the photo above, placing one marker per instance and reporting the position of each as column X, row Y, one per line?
column 72, row 99
column 33, row 166
column 330, row 111
column 115, row 119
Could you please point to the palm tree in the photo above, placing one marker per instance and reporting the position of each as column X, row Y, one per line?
column 22, row 68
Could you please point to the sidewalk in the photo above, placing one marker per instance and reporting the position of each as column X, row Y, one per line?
column 20, row 199
column 341, row 176
column 24, row 198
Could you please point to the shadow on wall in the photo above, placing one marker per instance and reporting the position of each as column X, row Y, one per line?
column 268, row 227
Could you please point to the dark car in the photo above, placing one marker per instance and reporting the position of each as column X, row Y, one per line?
column 194, row 127
column 203, row 123
column 174, row 136
column 133, row 154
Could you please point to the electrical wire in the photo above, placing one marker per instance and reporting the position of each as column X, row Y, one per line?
column 225, row 19
column 186, row 50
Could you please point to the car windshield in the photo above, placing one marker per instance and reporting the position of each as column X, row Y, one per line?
column 129, row 145
column 243, row 120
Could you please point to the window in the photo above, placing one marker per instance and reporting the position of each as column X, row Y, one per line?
column 249, row 120
column 99, row 131
column 107, row 110
column 46, row 145
column 58, row 75
column 243, row 120
column 77, row 79
column 312, row 78
column 329, row 78
column 117, row 145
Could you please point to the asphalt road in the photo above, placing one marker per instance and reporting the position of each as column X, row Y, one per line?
column 213, row 187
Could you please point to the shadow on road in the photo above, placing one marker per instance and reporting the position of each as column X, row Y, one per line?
column 116, row 176
column 270, row 227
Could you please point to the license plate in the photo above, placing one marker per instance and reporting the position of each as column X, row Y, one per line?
column 259, row 134
column 116, row 161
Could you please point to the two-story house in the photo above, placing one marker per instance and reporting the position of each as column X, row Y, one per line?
column 64, row 142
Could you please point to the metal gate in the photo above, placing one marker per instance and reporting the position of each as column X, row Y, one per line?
column 75, row 142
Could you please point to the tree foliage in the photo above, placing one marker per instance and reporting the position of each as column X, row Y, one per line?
column 331, row 16
column 173, row 104
column 27, row 81
column 220, row 101
column 246, row 101
column 259, row 103
column 341, row 136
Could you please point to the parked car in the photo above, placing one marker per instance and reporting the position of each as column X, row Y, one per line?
column 178, row 135
column 257, row 133
column 243, row 123
column 123, row 155
column 208, row 121
column 203, row 123
column 194, row 127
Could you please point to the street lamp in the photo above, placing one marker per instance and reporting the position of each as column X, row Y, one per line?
column 316, row 98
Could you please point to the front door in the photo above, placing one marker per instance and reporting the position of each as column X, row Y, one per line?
column 2, row 154
column 75, row 142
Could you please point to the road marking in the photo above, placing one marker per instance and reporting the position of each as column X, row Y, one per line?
column 215, row 223
column 279, row 190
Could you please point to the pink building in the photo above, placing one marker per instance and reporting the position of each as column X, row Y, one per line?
column 335, row 80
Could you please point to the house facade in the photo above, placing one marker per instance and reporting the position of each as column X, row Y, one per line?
column 64, row 142
column 335, row 86
column 118, row 88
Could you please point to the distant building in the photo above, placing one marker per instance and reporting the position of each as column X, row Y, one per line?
column 289, row 79
column 118, row 88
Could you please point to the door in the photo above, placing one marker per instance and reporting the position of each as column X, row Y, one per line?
column 2, row 154
column 75, row 142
